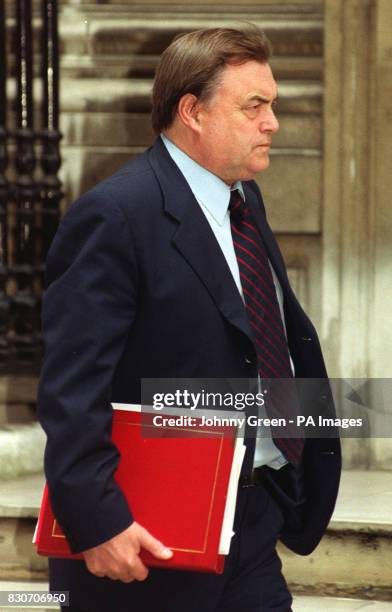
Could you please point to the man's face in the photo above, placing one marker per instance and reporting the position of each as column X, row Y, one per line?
column 238, row 121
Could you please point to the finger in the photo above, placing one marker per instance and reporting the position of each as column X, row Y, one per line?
column 115, row 574
column 95, row 572
column 98, row 574
column 138, row 570
column 124, row 576
column 128, row 578
column 154, row 546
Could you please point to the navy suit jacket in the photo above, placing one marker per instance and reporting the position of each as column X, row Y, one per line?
column 138, row 287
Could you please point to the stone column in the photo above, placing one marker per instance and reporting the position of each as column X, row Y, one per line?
column 357, row 218
column 346, row 185
column 380, row 130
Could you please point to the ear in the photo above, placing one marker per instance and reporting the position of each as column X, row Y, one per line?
column 188, row 110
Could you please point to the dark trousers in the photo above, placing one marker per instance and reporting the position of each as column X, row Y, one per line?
column 252, row 580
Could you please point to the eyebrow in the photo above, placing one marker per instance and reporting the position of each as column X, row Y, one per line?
column 257, row 97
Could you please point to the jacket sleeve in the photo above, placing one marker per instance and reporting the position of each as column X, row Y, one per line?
column 88, row 310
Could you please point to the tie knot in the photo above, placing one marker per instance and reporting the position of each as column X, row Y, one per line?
column 236, row 205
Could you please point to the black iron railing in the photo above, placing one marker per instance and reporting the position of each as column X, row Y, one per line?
column 4, row 197
column 30, row 191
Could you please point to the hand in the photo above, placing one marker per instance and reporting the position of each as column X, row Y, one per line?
column 119, row 559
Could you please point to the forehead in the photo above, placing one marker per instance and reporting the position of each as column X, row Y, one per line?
column 248, row 79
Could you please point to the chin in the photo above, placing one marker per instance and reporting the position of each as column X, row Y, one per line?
column 258, row 166
column 263, row 165
column 251, row 173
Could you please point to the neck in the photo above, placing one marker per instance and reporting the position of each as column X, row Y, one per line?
column 190, row 147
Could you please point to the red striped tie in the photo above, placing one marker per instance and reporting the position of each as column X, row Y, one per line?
column 262, row 308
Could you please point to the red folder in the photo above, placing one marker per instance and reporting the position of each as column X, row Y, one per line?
column 176, row 486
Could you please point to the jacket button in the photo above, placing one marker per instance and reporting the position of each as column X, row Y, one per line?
column 248, row 360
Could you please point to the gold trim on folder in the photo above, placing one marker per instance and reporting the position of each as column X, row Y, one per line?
column 204, row 431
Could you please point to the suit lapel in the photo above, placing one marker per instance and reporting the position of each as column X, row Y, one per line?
column 195, row 240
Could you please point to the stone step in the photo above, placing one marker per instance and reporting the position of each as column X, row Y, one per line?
column 21, row 450
column 18, row 389
column 354, row 559
column 131, row 65
column 125, row 65
column 274, row 6
column 302, row 603
column 133, row 95
column 14, row 587
column 132, row 34
column 130, row 31
column 94, row 129
column 16, row 413
column 19, row 504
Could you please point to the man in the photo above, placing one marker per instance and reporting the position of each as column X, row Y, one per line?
column 169, row 269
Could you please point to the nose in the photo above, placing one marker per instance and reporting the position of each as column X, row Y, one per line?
column 275, row 122
column 270, row 122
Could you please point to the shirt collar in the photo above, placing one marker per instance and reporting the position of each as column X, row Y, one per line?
column 208, row 189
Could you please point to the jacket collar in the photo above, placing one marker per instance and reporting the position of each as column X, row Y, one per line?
column 210, row 191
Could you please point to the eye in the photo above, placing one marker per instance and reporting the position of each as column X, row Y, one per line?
column 252, row 109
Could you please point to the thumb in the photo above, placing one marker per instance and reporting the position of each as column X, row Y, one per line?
column 154, row 546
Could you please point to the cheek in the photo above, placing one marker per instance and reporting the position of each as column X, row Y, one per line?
column 222, row 140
